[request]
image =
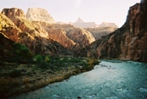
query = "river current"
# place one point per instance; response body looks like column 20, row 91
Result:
column 111, row 79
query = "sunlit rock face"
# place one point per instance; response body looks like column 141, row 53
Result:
column 39, row 14
column 67, row 35
column 8, row 28
column 19, row 29
column 43, row 37
column 80, row 36
column 129, row 42
column 59, row 35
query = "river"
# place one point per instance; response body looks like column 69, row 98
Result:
column 111, row 79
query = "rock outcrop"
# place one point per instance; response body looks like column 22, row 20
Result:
column 80, row 36
column 13, row 12
column 59, row 35
column 39, row 14
column 8, row 28
column 127, row 43
column 98, row 33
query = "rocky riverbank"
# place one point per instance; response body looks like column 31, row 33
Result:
column 16, row 77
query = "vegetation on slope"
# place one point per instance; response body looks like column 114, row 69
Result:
column 24, row 71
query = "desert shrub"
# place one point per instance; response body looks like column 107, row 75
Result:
column 46, row 59
column 93, row 61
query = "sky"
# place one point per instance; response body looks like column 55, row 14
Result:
column 97, row 11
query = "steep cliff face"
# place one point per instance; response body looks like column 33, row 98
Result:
column 30, row 34
column 60, row 36
column 80, row 36
column 6, row 47
column 39, row 14
column 8, row 28
column 129, row 42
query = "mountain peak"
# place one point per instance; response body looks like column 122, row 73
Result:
column 79, row 20
column 39, row 14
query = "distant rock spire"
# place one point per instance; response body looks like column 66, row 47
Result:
column 79, row 20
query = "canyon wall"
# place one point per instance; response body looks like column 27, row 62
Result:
column 128, row 42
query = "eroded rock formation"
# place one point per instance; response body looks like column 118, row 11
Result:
column 69, row 36
column 80, row 36
column 59, row 35
column 8, row 28
column 39, row 14
column 13, row 12
column 33, row 35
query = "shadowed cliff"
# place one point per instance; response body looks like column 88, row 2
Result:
column 128, row 42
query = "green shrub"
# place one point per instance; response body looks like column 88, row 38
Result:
column 22, row 50
column 37, row 58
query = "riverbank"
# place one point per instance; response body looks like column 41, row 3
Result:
column 111, row 79
column 16, row 78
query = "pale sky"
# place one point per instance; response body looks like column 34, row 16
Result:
column 69, row 10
